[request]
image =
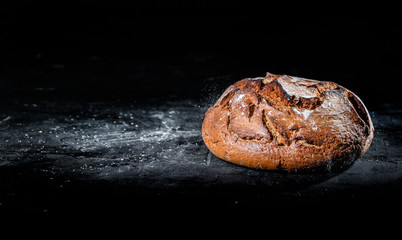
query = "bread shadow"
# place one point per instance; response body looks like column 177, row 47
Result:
column 274, row 181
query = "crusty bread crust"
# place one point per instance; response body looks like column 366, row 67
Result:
column 280, row 122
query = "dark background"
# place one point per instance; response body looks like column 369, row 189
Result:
column 156, row 49
column 149, row 52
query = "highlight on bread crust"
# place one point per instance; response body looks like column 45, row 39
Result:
column 281, row 122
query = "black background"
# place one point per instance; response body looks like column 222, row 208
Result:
column 151, row 51
column 157, row 49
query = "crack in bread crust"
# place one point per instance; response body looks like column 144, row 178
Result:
column 275, row 96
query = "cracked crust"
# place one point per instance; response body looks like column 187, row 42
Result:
column 281, row 122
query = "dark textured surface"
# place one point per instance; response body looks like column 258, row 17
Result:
column 59, row 157
column 100, row 113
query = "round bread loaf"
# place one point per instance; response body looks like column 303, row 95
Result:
column 280, row 122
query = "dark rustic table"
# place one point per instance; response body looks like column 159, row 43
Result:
column 69, row 156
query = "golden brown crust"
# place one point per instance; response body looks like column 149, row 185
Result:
column 287, row 123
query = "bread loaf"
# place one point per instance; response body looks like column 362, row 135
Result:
column 280, row 122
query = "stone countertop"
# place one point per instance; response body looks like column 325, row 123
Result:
column 59, row 157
